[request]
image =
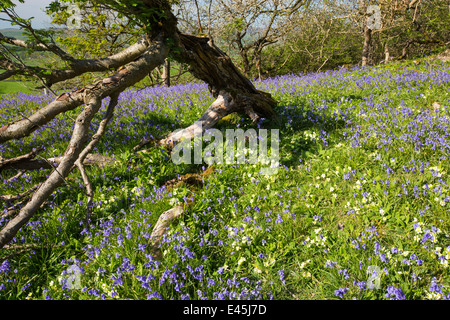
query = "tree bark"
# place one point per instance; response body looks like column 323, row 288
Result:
column 367, row 35
column 161, row 227
column 166, row 73
column 366, row 45
column 231, row 89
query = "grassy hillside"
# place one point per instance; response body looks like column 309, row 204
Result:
column 362, row 187
column 14, row 33
column 8, row 87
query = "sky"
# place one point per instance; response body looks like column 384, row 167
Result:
column 31, row 8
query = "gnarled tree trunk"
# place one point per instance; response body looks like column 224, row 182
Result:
column 232, row 90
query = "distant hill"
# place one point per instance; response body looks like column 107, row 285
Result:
column 15, row 33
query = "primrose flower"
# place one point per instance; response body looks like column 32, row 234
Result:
column 241, row 260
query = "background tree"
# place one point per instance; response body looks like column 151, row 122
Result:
column 243, row 29
column 320, row 38
column 416, row 27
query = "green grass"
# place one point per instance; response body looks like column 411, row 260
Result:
column 16, row 86
column 362, row 183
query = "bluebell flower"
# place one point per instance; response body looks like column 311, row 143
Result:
column 4, row 267
column 345, row 273
column 281, row 274
column 340, row 292
column 360, row 284
column 435, row 287
column 394, row 293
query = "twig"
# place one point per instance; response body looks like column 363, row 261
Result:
column 322, row 65
column 9, row 198
column 17, row 176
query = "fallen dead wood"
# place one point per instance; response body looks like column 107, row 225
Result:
column 21, row 248
column 166, row 218
column 194, row 179
column 7, row 163
column 38, row 164
column 161, row 227
column 91, row 96
column 144, row 142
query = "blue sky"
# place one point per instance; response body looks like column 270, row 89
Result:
column 31, row 8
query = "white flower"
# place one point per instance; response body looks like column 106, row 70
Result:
column 257, row 270
column 434, row 296
column 269, row 262
column 241, row 260
column 303, row 264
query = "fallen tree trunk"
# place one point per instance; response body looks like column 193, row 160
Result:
column 232, row 91
column 11, row 163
